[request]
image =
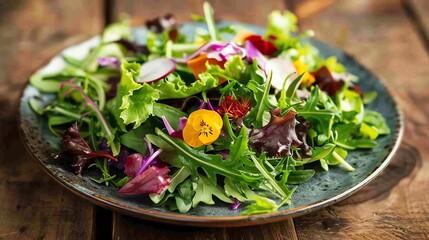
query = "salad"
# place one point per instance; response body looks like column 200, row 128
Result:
column 224, row 114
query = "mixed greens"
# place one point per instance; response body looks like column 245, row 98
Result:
column 184, row 118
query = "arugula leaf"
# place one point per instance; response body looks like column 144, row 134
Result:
column 239, row 147
column 261, row 205
column 300, row 176
column 277, row 187
column 205, row 190
column 171, row 113
column 212, row 164
column 287, row 94
column 263, row 104
column 238, row 190
column 184, row 196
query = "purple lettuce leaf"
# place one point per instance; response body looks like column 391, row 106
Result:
column 133, row 47
column 152, row 180
column 160, row 24
column 74, row 147
column 301, row 130
column 277, row 136
column 326, row 82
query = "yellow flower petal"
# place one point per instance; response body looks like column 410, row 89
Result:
column 307, row 79
column 202, row 128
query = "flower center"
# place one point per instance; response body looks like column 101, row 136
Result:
column 205, row 129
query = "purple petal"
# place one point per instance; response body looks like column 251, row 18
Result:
column 195, row 54
column 182, row 122
column 108, row 62
column 225, row 51
column 153, row 180
column 254, row 53
column 148, row 161
column 133, row 165
column 236, row 204
column 167, row 125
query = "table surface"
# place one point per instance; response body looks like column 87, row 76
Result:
column 390, row 37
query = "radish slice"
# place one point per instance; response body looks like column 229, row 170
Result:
column 155, row 70
column 280, row 68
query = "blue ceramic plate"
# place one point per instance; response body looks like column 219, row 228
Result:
column 324, row 189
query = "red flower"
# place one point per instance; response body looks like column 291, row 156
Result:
column 234, row 108
column 264, row 46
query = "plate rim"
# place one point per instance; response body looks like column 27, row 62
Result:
column 221, row 221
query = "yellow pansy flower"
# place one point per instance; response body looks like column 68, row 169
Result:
column 307, row 79
column 202, row 128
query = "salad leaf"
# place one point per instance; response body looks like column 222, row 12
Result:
column 277, row 137
column 134, row 101
column 73, row 146
column 152, row 180
column 234, row 69
column 212, row 164
column 281, row 25
column 205, row 190
column 173, row 86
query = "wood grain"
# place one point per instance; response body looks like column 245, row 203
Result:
column 32, row 206
column 395, row 205
column 254, row 12
column 130, row 228
column 419, row 15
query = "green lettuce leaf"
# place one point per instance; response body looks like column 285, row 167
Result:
column 134, row 101
column 173, row 86
column 234, row 70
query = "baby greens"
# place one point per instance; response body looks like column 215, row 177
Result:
column 243, row 122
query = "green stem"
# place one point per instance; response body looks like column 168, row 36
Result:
column 268, row 176
column 209, row 16
column 343, row 162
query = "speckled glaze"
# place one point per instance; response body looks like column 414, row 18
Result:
column 324, row 189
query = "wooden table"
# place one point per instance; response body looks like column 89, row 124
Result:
column 390, row 37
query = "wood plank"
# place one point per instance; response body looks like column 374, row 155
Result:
column 254, row 12
column 420, row 10
column 394, row 206
column 131, row 228
column 32, row 206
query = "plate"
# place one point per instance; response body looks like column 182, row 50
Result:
column 324, row 189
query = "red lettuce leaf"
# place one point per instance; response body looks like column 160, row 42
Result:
column 326, row 82
column 152, row 180
column 277, row 136
column 74, row 147
column 133, row 164
column 301, row 130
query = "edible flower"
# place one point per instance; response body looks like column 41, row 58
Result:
column 307, row 79
column 234, row 108
column 221, row 52
column 170, row 129
column 264, row 46
column 202, row 128
column 112, row 62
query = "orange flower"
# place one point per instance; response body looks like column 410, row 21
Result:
column 234, row 108
column 202, row 128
